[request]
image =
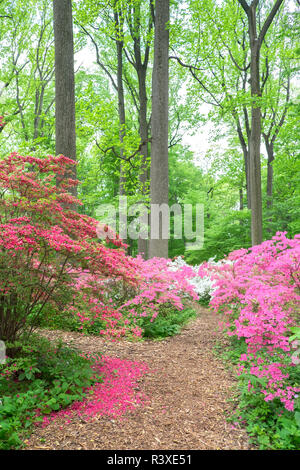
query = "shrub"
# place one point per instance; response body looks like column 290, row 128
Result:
column 45, row 245
column 51, row 259
column 257, row 295
column 168, row 322
column 41, row 378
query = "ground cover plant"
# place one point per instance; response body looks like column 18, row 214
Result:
column 42, row 377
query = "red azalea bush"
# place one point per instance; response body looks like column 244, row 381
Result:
column 45, row 245
column 257, row 292
column 51, row 256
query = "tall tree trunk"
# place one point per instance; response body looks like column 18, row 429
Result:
column 241, row 198
column 255, row 135
column 241, row 201
column 270, row 153
column 143, row 131
column 140, row 63
column 121, row 99
column 159, row 172
column 245, row 149
column 256, row 93
column 65, row 133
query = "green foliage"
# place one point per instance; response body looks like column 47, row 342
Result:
column 56, row 320
column 270, row 426
column 41, row 378
column 168, row 322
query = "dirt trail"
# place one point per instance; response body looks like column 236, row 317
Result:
column 188, row 393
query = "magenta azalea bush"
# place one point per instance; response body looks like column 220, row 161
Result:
column 119, row 305
column 258, row 296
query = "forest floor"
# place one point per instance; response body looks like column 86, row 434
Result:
column 189, row 392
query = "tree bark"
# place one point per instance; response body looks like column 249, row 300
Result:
column 241, row 199
column 143, row 247
column 255, row 135
column 121, row 99
column 256, row 93
column 64, row 83
column 140, row 63
column 245, row 149
column 159, row 171
column 270, row 153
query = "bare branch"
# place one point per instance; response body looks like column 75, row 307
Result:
column 101, row 65
column 268, row 21
column 245, row 5
column 192, row 71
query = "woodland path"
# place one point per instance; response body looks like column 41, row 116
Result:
column 188, row 397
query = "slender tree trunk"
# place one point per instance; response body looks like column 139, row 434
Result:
column 121, row 99
column 270, row 153
column 255, row 135
column 256, row 41
column 141, row 64
column 247, row 176
column 159, row 172
column 241, row 199
column 245, row 149
column 64, row 83
column 143, row 131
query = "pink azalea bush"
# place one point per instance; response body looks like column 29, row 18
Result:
column 120, row 305
column 258, row 296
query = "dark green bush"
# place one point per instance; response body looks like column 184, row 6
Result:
column 41, row 378
column 168, row 322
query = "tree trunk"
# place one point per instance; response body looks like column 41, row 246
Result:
column 64, row 83
column 255, row 135
column 121, row 100
column 159, row 172
column 245, row 149
column 141, row 66
column 143, row 131
column 256, row 93
column 270, row 153
column 241, row 199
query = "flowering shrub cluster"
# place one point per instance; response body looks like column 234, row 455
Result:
column 258, row 294
column 51, row 256
column 119, row 306
column 199, row 276
column 45, row 245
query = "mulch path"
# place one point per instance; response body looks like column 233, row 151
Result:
column 188, row 390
